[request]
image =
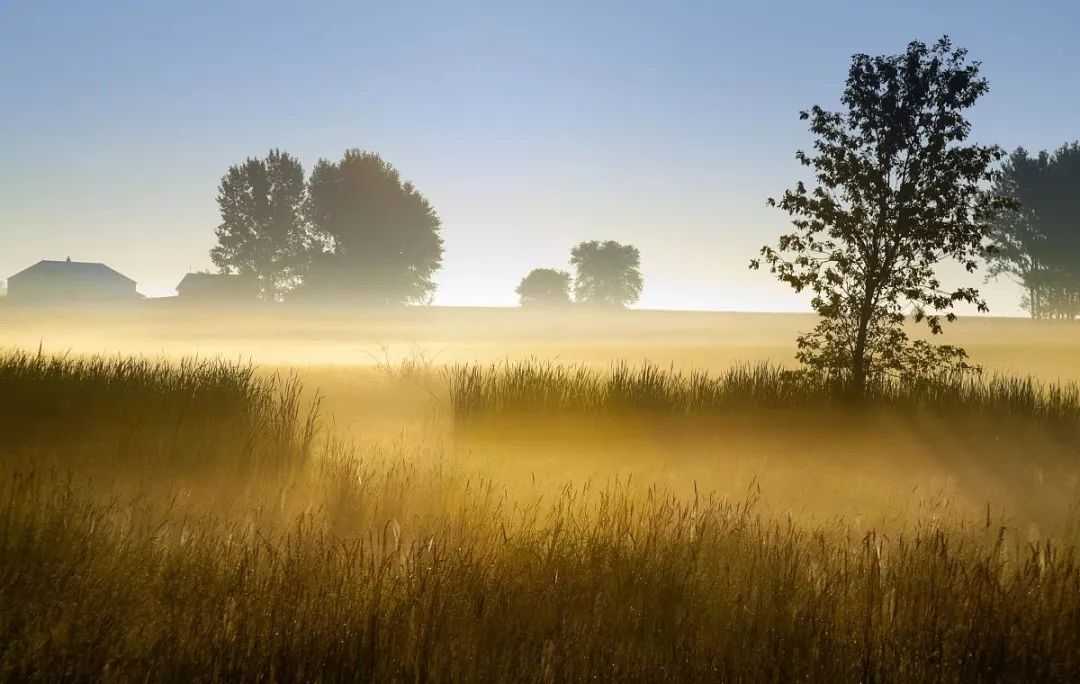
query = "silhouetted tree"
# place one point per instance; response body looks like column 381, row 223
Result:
column 263, row 233
column 607, row 273
column 379, row 236
column 1039, row 245
column 1020, row 243
column 897, row 192
column 544, row 287
column 1064, row 224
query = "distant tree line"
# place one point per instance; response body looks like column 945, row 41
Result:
column 607, row 274
column 1039, row 244
column 355, row 231
column 352, row 230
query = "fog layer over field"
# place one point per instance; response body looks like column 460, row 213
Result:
column 383, row 379
column 345, row 336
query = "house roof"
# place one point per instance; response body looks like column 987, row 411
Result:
column 207, row 278
column 89, row 269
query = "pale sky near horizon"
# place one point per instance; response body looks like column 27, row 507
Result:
column 530, row 127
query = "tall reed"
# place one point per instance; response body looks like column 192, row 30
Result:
column 138, row 412
column 545, row 388
column 391, row 566
column 440, row 579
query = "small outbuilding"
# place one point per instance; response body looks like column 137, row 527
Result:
column 217, row 287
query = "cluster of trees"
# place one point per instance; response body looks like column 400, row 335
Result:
column 1039, row 244
column 607, row 274
column 354, row 229
column 898, row 189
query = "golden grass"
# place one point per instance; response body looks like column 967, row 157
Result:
column 417, row 560
column 540, row 389
column 408, row 574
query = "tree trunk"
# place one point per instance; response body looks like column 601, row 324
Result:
column 858, row 361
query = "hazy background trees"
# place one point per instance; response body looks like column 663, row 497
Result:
column 263, row 233
column 1039, row 245
column 544, row 287
column 606, row 273
column 354, row 231
column 379, row 237
column 897, row 193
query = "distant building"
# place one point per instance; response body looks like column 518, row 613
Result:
column 217, row 287
column 55, row 282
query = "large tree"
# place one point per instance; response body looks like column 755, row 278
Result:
column 898, row 190
column 544, row 287
column 263, row 234
column 607, row 273
column 1039, row 245
column 1020, row 242
column 380, row 240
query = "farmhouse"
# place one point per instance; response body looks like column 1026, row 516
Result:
column 70, row 281
column 217, row 287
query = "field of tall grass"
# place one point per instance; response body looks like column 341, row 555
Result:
column 543, row 388
column 187, row 520
column 146, row 415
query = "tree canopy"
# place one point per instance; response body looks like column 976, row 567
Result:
column 897, row 192
column 379, row 238
column 607, row 273
column 263, row 233
column 1039, row 245
column 544, row 287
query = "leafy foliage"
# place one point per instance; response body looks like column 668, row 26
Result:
column 897, row 193
column 379, row 237
column 544, row 287
column 262, row 232
column 608, row 273
column 1039, row 245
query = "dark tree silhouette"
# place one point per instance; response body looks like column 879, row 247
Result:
column 379, row 236
column 544, row 287
column 897, row 192
column 1039, row 245
column 607, row 273
column 262, row 232
column 1020, row 242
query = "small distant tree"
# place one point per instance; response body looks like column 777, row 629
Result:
column 607, row 273
column 544, row 287
column 263, row 233
column 897, row 193
column 1039, row 245
column 379, row 237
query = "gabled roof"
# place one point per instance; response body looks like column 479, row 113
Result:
column 69, row 268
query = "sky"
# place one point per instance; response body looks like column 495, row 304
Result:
column 529, row 126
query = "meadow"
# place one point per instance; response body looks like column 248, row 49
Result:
column 496, row 496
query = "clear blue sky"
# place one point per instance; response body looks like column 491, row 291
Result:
column 530, row 127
